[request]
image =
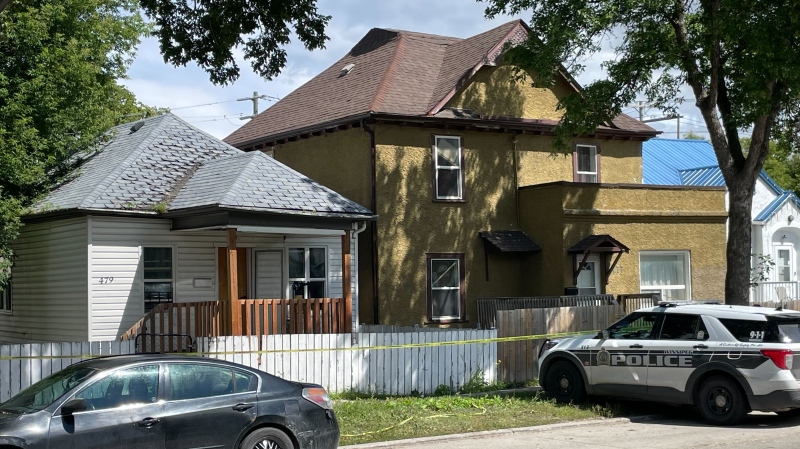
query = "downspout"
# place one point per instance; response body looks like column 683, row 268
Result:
column 359, row 230
column 373, row 205
column 516, row 177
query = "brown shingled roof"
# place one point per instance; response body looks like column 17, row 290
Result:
column 395, row 72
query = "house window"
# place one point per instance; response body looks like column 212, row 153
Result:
column 158, row 277
column 446, row 281
column 5, row 299
column 308, row 272
column 666, row 273
column 448, row 173
column 586, row 161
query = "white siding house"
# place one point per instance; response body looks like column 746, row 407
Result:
column 89, row 264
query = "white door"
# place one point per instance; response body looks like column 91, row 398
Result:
column 269, row 274
column 589, row 277
column 784, row 263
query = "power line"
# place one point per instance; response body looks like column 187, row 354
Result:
column 200, row 105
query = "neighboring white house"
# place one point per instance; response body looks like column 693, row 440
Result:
column 146, row 221
column 776, row 230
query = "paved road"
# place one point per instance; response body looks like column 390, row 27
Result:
column 760, row 431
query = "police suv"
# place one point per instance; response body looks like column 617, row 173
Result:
column 726, row 360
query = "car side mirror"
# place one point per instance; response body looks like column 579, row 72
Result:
column 74, row 405
column 604, row 334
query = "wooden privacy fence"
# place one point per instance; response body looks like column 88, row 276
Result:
column 519, row 360
column 488, row 307
column 259, row 317
column 377, row 363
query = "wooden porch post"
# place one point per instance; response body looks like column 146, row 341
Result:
column 347, row 287
column 233, row 326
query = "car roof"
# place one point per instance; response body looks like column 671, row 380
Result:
column 114, row 361
column 722, row 310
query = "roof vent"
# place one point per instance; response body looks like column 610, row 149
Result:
column 347, row 69
column 137, row 126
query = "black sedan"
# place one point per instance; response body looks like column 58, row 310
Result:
column 166, row 401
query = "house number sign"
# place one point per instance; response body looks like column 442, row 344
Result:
column 106, row 280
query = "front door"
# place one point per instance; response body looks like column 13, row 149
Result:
column 123, row 410
column 784, row 265
column 620, row 365
column 268, row 274
column 589, row 277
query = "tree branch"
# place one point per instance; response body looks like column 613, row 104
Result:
column 3, row 4
column 726, row 111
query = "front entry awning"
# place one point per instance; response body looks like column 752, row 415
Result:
column 506, row 242
column 596, row 244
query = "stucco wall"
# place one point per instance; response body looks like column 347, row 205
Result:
column 559, row 216
column 411, row 224
column 508, row 95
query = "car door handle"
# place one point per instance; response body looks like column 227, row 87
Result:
column 149, row 422
column 700, row 347
column 636, row 346
column 243, row 407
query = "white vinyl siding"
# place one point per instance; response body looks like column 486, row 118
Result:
column 50, row 284
column 116, row 252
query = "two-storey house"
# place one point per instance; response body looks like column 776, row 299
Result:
column 453, row 151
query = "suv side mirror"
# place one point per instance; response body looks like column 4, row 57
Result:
column 73, row 405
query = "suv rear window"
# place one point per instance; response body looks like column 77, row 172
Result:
column 774, row 330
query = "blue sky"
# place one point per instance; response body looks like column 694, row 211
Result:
column 214, row 109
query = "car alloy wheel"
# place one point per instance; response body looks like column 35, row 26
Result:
column 267, row 438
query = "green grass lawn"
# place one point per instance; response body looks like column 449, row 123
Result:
column 372, row 419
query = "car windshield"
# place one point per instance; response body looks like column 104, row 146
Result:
column 43, row 393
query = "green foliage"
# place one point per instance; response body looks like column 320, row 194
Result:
column 59, row 65
column 443, row 390
column 740, row 58
column 694, row 136
column 207, row 32
column 760, row 272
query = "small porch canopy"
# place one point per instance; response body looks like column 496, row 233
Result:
column 252, row 192
column 602, row 244
column 512, row 241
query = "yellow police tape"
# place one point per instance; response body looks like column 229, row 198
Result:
column 300, row 350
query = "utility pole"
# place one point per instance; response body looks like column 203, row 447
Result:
column 670, row 117
column 255, row 99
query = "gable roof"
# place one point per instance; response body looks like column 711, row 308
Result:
column 394, row 73
column 165, row 163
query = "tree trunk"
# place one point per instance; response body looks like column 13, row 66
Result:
column 737, row 278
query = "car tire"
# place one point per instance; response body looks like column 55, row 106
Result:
column 267, row 438
column 721, row 401
column 564, row 383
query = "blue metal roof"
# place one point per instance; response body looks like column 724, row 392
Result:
column 775, row 205
column 702, row 176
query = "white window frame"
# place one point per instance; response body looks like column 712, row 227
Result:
column 173, row 268
column 579, row 173
column 431, row 280
column 459, row 168
column 307, row 265
column 6, row 300
column 663, row 289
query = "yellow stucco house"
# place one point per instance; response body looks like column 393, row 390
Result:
column 454, row 153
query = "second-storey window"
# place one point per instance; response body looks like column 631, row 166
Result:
column 586, row 162
column 158, row 286
column 448, row 170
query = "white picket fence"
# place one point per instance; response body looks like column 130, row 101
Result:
column 379, row 363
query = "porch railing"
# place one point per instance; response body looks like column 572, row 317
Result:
column 258, row 317
column 774, row 291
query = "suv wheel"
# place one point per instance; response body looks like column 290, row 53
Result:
column 564, row 383
column 721, row 401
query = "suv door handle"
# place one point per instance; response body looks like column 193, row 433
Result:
column 637, row 346
column 149, row 422
column 243, row 407
column 700, row 347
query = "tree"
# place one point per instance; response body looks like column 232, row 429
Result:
column 208, row 32
column 59, row 65
column 692, row 135
column 740, row 58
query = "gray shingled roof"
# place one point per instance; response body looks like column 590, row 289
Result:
column 155, row 165
column 255, row 181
